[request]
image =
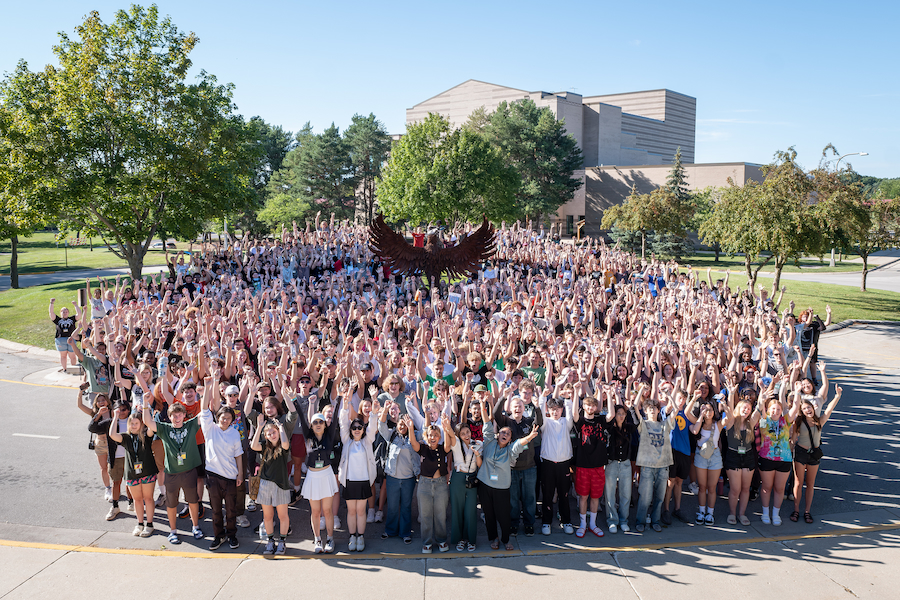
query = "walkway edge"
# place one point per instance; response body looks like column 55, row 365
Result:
column 33, row 351
column 450, row 555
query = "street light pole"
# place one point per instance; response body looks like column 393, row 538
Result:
column 836, row 169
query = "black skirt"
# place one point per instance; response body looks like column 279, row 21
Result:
column 357, row 490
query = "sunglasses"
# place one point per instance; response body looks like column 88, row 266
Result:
column 357, row 428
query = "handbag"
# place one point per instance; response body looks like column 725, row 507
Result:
column 253, row 490
column 815, row 452
column 472, row 476
column 707, row 448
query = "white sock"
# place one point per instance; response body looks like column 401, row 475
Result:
column 710, row 510
column 765, row 511
column 701, row 510
column 593, row 519
column 775, row 511
column 583, row 521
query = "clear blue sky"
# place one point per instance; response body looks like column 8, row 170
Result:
column 766, row 75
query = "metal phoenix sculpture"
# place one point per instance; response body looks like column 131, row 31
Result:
column 435, row 258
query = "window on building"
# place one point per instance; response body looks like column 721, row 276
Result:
column 570, row 224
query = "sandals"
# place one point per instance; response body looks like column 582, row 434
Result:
column 509, row 546
column 461, row 546
column 795, row 516
column 597, row 531
column 495, row 544
column 807, row 517
column 744, row 520
column 579, row 533
column 731, row 520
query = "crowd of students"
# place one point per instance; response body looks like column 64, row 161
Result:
column 268, row 372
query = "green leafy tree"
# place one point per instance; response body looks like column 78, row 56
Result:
column 324, row 171
column 137, row 148
column 777, row 216
column 435, row 173
column 369, row 145
column 275, row 143
column 27, row 133
column 538, row 147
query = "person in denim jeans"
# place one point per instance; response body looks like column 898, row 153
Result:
column 654, row 457
column 401, row 469
column 433, row 494
column 522, row 416
column 619, row 429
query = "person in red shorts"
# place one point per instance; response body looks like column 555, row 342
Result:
column 590, row 463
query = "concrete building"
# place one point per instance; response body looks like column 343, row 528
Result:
column 640, row 129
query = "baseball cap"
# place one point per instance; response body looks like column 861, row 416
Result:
column 232, row 389
column 317, row 417
column 481, row 388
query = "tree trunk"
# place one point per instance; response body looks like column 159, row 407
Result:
column 750, row 275
column 135, row 263
column 717, row 248
column 14, row 263
column 643, row 245
column 779, row 265
column 865, row 271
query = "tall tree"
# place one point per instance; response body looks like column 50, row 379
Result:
column 533, row 142
column 436, row 173
column 138, row 148
column 369, row 145
column 325, row 172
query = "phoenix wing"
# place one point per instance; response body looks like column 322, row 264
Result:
column 465, row 257
column 393, row 249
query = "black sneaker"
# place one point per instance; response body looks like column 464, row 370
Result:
column 183, row 512
column 217, row 541
column 280, row 548
column 529, row 530
column 294, row 497
column 679, row 515
column 514, row 531
column 384, row 536
column 666, row 518
column 233, row 542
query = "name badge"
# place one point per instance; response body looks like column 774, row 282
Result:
column 494, row 477
column 181, row 458
column 320, row 464
column 138, row 467
column 742, row 450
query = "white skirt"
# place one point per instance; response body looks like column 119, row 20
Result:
column 319, row 484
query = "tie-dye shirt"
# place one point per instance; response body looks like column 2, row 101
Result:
column 775, row 439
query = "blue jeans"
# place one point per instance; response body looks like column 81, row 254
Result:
column 652, row 488
column 618, row 472
column 398, row 521
column 522, row 496
column 433, row 498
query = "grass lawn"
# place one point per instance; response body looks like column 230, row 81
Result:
column 24, row 318
column 39, row 254
column 736, row 263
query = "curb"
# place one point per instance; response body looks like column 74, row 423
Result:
column 32, row 351
column 851, row 322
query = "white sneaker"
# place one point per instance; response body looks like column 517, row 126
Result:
column 242, row 521
column 351, row 547
column 613, row 528
column 379, row 516
column 337, row 522
column 545, row 529
column 694, row 488
column 138, row 530
column 568, row 529
column 318, row 546
column 161, row 501
column 251, row 506
column 329, row 545
column 146, row 531
column 370, row 516
column 113, row 511
column 107, row 495
column 776, row 519
column 625, row 528
column 360, row 543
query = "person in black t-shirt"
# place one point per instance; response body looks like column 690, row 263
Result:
column 590, row 463
column 65, row 325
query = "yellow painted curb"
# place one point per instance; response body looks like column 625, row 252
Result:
column 449, row 555
column 62, row 387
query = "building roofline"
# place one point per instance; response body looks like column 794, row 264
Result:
column 465, row 82
column 640, row 92
column 669, row 166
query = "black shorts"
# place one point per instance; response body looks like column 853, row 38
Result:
column 681, row 467
column 357, row 490
column 736, row 462
column 803, row 457
column 201, row 470
column 774, row 465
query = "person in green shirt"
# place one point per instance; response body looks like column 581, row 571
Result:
column 182, row 459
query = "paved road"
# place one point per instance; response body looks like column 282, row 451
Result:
column 63, row 276
column 884, row 278
column 50, row 494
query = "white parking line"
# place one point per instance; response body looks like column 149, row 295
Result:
column 32, row 435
